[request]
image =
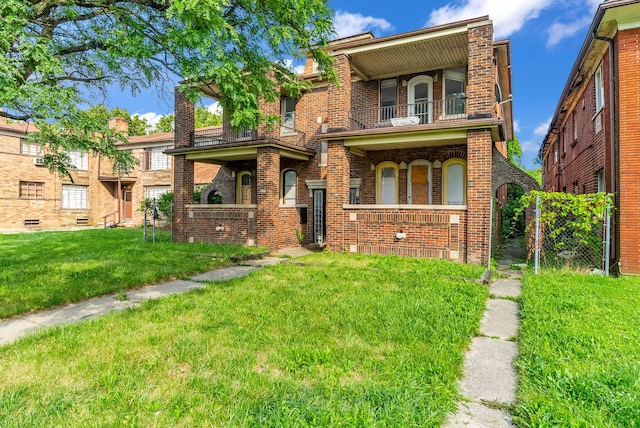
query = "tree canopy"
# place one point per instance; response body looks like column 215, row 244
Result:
column 203, row 117
column 55, row 52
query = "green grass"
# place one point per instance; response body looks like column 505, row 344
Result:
column 45, row 269
column 332, row 340
column 579, row 362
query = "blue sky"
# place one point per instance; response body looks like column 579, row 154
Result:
column 545, row 35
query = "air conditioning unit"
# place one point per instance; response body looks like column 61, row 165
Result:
column 38, row 161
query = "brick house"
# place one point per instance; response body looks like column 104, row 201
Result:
column 31, row 197
column 596, row 125
column 396, row 159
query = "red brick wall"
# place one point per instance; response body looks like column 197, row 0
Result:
column 339, row 96
column 629, row 149
column 268, row 185
column 481, row 75
column 183, row 176
column 221, row 224
column 436, row 233
column 479, row 194
column 337, row 194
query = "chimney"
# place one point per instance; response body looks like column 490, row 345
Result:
column 120, row 124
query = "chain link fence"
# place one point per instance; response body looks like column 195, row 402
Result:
column 570, row 231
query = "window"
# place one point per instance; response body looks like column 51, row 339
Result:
column 454, row 92
column 599, row 84
column 353, row 196
column 79, row 160
column 388, row 98
column 75, row 197
column 156, row 159
column 454, row 178
column 601, row 182
column 324, row 153
column 243, row 188
column 30, row 149
column 387, row 183
column 563, row 141
column 420, row 97
column 154, row 192
column 289, row 114
column 31, row 190
column 289, row 187
column 575, row 127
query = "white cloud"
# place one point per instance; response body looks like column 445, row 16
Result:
column 516, row 126
column 508, row 17
column 151, row 117
column 559, row 31
column 215, row 107
column 530, row 146
column 541, row 130
column 348, row 24
column 298, row 69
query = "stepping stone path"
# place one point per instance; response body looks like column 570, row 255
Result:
column 489, row 378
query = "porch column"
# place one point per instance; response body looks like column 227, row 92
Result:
column 339, row 96
column 481, row 83
column 183, row 169
column 479, row 193
column 268, row 192
column 337, row 194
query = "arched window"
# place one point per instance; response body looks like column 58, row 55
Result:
column 419, row 181
column 243, row 188
column 454, row 182
column 387, row 183
column 421, row 98
column 289, row 187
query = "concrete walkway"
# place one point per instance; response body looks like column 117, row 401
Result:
column 489, row 378
column 15, row 328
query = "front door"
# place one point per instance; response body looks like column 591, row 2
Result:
column 127, row 204
column 319, row 218
column 419, row 193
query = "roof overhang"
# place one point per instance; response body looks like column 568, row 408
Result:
column 447, row 47
column 417, row 136
column 221, row 153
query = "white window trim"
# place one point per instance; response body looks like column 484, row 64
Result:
column 284, row 129
column 445, row 179
column 411, row 86
column 74, row 197
column 459, row 75
column 156, row 192
column 379, row 169
column 79, row 159
column 599, row 88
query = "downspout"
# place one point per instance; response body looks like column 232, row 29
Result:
column 613, row 74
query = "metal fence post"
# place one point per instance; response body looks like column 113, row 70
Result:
column 607, row 237
column 490, row 234
column 536, row 257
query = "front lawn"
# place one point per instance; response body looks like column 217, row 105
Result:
column 45, row 269
column 579, row 361
column 326, row 340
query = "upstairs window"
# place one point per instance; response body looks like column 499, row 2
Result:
column 79, row 160
column 30, row 149
column 289, row 114
column 156, row 159
column 454, row 92
column 599, row 84
column 388, row 98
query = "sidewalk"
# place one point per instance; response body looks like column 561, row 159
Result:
column 15, row 328
column 489, row 378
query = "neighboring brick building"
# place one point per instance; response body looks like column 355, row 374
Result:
column 31, row 197
column 595, row 131
column 396, row 159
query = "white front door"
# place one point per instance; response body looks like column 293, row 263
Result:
column 421, row 98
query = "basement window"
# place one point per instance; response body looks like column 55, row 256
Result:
column 32, row 222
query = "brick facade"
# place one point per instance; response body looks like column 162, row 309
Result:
column 585, row 145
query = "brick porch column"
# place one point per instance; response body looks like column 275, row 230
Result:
column 268, row 197
column 337, row 194
column 183, row 169
column 339, row 96
column 481, row 77
column 479, row 193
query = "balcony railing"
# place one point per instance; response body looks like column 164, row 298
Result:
column 227, row 135
column 409, row 114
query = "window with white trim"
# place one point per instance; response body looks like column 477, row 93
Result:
column 157, row 160
column 289, row 187
column 599, row 84
column 324, row 153
column 289, row 114
column 154, row 192
column 601, row 182
column 75, row 197
column 79, row 160
column 31, row 190
column 30, row 149
column 388, row 98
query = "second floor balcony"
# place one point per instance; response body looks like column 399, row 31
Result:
column 226, row 136
column 419, row 113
